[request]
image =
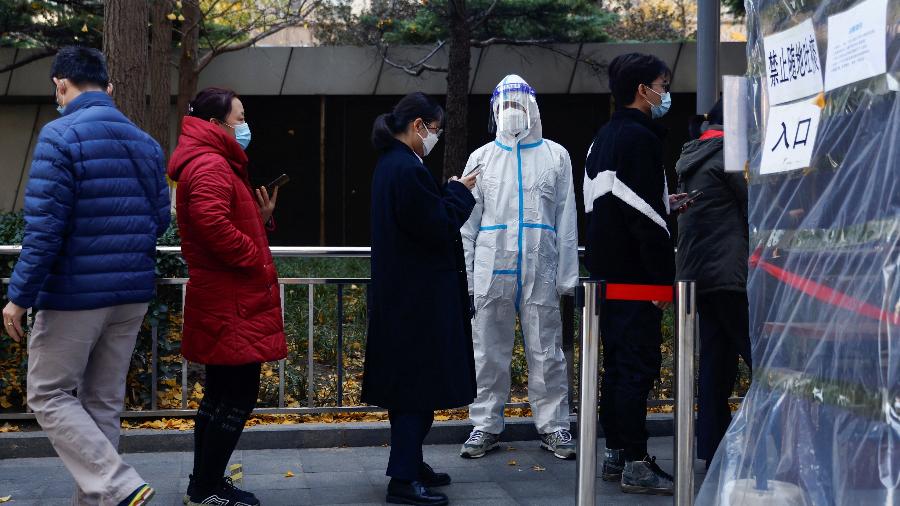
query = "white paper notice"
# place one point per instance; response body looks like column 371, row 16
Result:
column 793, row 67
column 856, row 44
column 790, row 137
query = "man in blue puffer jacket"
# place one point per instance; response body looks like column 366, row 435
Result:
column 95, row 204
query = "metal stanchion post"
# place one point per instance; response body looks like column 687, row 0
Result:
column 587, row 401
column 686, row 338
column 567, row 309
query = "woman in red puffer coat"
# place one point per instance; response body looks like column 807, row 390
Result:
column 232, row 315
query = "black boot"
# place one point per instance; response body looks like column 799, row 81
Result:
column 413, row 492
column 430, row 479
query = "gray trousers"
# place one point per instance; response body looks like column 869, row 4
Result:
column 87, row 352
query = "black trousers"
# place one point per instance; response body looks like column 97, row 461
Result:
column 631, row 335
column 408, row 431
column 724, row 336
column 229, row 397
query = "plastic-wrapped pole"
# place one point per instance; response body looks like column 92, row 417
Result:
column 587, row 400
column 707, row 54
column 684, row 392
column 736, row 111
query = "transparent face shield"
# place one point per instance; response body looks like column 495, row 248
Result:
column 513, row 107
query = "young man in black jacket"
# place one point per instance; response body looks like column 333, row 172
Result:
column 628, row 241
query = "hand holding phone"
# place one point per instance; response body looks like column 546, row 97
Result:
column 683, row 201
column 470, row 179
column 279, row 181
column 476, row 170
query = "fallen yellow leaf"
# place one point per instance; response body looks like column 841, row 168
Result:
column 288, row 474
column 6, row 498
column 512, row 463
column 6, row 427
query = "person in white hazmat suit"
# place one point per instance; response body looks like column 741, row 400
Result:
column 521, row 250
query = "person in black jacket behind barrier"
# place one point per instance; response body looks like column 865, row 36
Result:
column 713, row 250
column 628, row 241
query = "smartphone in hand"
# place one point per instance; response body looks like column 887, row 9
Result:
column 685, row 201
column 279, row 181
column 476, row 171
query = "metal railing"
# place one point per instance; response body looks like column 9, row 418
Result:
column 569, row 340
column 282, row 408
column 592, row 298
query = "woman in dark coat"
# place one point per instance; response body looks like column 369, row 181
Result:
column 713, row 249
column 419, row 355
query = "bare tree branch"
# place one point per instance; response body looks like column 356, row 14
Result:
column 212, row 6
column 477, row 21
column 222, row 49
column 258, row 23
column 597, row 67
column 494, row 41
column 30, row 59
column 416, row 69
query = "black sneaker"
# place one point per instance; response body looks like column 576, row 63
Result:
column 613, row 464
column 227, row 483
column 645, row 477
column 226, row 495
column 247, row 497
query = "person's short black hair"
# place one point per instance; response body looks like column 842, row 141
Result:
column 212, row 103
column 628, row 71
column 80, row 65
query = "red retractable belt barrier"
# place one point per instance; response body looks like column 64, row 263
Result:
column 650, row 293
column 822, row 292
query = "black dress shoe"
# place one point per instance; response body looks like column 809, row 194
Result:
column 413, row 492
column 429, row 478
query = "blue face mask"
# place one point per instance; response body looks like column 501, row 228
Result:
column 658, row 111
column 242, row 134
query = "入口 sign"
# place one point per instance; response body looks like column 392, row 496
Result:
column 790, row 137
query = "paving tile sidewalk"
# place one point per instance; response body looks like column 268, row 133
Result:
column 519, row 473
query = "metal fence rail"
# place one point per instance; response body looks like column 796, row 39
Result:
column 282, row 408
column 569, row 341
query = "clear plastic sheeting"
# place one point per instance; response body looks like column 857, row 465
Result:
column 820, row 424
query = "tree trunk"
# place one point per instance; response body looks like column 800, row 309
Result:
column 125, row 46
column 160, row 85
column 188, row 74
column 456, row 147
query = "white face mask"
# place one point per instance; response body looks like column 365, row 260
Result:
column 428, row 142
column 513, row 121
